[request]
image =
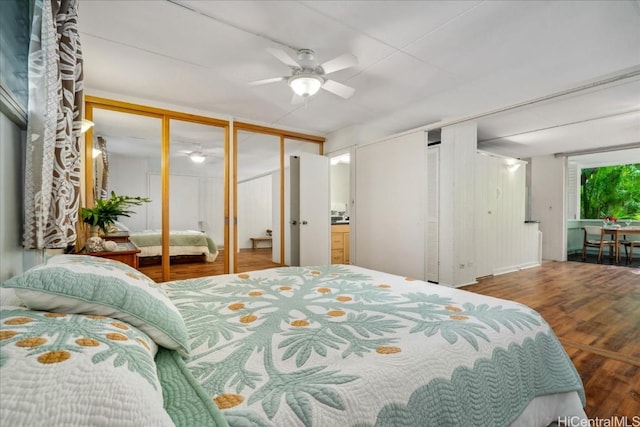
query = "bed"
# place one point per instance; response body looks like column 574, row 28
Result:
column 299, row 346
column 184, row 243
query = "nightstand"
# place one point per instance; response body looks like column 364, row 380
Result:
column 118, row 236
column 126, row 252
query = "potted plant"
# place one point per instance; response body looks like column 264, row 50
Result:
column 107, row 211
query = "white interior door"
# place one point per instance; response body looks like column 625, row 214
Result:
column 390, row 205
column 310, row 210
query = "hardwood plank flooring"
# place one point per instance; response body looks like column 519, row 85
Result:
column 594, row 310
column 249, row 260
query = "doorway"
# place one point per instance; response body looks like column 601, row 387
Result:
column 341, row 207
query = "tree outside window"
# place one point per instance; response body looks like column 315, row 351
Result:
column 610, row 191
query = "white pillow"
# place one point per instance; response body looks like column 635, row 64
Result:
column 93, row 285
column 8, row 297
column 70, row 369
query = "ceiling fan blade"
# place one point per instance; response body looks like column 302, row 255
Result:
column 283, row 56
column 339, row 63
column 297, row 99
column 339, row 89
column 265, row 81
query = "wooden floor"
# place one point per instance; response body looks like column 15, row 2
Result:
column 594, row 310
column 593, row 259
column 248, row 260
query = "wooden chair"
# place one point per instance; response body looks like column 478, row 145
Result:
column 629, row 243
column 594, row 237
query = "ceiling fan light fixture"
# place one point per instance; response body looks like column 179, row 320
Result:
column 305, row 84
column 197, row 157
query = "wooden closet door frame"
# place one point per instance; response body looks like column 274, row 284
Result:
column 283, row 134
column 92, row 102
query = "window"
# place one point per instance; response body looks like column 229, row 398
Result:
column 14, row 39
column 610, row 191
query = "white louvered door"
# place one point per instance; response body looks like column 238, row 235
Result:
column 433, row 214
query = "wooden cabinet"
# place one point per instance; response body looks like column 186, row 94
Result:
column 126, row 253
column 340, row 244
column 118, row 236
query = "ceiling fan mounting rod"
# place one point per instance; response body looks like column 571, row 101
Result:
column 306, row 55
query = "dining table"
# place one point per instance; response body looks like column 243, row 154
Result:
column 615, row 231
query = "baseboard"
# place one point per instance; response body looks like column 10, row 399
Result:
column 504, row 270
column 529, row 265
column 464, row 284
column 513, row 268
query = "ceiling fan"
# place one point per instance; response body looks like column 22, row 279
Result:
column 198, row 154
column 308, row 76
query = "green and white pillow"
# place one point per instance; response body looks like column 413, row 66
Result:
column 62, row 369
column 99, row 286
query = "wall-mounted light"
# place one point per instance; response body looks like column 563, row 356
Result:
column 513, row 164
column 86, row 125
column 345, row 159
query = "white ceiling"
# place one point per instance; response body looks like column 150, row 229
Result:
column 420, row 63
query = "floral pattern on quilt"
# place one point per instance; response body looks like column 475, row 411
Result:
column 275, row 338
column 52, row 338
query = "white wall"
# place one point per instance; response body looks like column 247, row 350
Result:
column 11, row 252
column 254, row 209
column 471, row 243
column 128, row 176
column 390, row 205
column 133, row 176
column 548, row 204
column 503, row 241
column 211, row 209
column 352, row 136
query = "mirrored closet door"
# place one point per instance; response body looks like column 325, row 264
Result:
column 179, row 162
column 126, row 152
column 258, row 208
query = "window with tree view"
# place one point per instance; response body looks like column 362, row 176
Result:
column 610, row 191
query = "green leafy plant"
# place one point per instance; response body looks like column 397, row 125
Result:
column 107, row 211
column 610, row 191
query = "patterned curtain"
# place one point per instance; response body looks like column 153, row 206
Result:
column 52, row 173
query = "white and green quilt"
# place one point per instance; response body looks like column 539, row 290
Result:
column 347, row 346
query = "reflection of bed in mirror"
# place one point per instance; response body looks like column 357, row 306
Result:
column 184, row 246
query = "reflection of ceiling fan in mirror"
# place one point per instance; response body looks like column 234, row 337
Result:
column 198, row 155
column 308, row 76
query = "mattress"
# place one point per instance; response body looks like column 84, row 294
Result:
column 348, row 346
column 186, row 242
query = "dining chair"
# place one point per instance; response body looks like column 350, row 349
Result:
column 629, row 242
column 594, row 237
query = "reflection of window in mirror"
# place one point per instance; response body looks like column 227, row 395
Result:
column 340, row 186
